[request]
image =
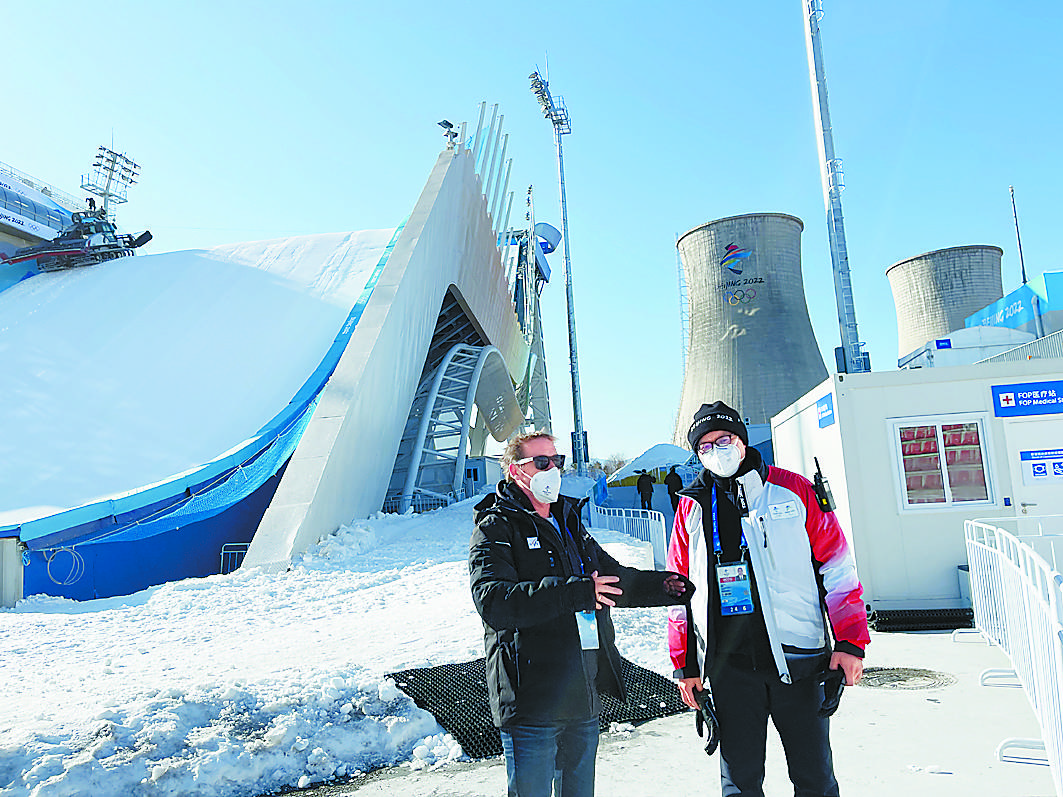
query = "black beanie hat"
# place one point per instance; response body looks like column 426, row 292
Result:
column 716, row 416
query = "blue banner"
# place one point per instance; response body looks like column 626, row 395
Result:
column 1014, row 310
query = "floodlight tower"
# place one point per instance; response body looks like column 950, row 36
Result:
column 557, row 113
column 850, row 358
column 111, row 177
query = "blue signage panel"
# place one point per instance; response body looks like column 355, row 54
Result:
column 943, row 343
column 825, row 410
column 1028, row 398
column 1042, row 467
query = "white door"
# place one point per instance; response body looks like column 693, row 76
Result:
column 1035, row 462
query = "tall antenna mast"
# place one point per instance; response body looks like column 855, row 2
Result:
column 557, row 113
column 111, row 177
column 853, row 360
column 1015, row 214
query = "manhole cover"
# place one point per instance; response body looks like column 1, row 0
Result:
column 905, row 678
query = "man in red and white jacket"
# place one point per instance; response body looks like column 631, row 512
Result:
column 765, row 559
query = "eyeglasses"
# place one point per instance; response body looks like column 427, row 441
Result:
column 719, row 442
column 542, row 461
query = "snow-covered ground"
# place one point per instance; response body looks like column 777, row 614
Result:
column 130, row 372
column 253, row 682
column 246, row 683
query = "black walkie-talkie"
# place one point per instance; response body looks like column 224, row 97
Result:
column 823, row 496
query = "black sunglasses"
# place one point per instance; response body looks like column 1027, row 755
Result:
column 542, row 461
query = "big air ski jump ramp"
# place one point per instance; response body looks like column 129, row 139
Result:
column 157, row 408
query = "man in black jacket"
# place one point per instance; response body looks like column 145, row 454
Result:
column 644, row 485
column 543, row 587
column 674, row 482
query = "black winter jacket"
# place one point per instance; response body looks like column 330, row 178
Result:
column 527, row 588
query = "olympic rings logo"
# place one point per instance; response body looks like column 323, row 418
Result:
column 740, row 296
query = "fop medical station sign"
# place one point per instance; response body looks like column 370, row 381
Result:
column 1028, row 398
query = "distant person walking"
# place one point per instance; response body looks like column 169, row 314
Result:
column 769, row 566
column 544, row 587
column 644, row 484
column 674, row 482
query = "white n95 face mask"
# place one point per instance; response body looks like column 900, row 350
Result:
column 546, row 485
column 722, row 462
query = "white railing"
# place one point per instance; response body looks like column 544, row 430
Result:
column 642, row 524
column 1018, row 605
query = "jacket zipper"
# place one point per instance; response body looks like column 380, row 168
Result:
column 767, row 545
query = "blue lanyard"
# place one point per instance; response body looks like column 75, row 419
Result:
column 716, row 547
column 575, row 547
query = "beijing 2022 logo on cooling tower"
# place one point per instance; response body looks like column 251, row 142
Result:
column 738, row 291
column 734, row 257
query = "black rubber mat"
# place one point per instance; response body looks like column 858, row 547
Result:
column 921, row 619
column 456, row 695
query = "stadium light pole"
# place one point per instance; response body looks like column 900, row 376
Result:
column 557, row 113
column 112, row 175
column 849, row 357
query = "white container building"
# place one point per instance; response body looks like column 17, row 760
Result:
column 911, row 454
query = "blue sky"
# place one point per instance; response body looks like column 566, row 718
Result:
column 267, row 119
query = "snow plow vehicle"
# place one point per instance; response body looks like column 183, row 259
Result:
column 89, row 239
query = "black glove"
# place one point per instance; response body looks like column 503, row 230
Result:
column 832, row 682
column 706, row 717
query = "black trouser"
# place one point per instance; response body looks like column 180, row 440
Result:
column 647, row 499
column 744, row 701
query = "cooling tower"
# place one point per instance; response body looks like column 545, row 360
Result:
column 935, row 292
column 751, row 341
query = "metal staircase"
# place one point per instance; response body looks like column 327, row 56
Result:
column 430, row 466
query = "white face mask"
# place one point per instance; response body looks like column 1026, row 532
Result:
column 545, row 485
column 722, row 462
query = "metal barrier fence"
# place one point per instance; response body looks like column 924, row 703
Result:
column 232, row 556
column 1018, row 605
column 642, row 524
column 420, row 502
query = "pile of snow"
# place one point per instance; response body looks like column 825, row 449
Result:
column 135, row 370
column 662, row 455
column 255, row 681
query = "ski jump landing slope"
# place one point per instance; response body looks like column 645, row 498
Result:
column 133, row 372
column 153, row 385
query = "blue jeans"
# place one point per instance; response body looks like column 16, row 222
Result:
column 538, row 756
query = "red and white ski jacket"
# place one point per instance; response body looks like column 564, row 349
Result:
column 790, row 540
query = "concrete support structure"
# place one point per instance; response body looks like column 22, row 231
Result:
column 751, row 342
column 448, row 244
column 934, row 292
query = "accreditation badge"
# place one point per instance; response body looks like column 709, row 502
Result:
column 736, row 592
column 587, row 622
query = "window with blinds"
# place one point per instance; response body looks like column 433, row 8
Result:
column 942, row 463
